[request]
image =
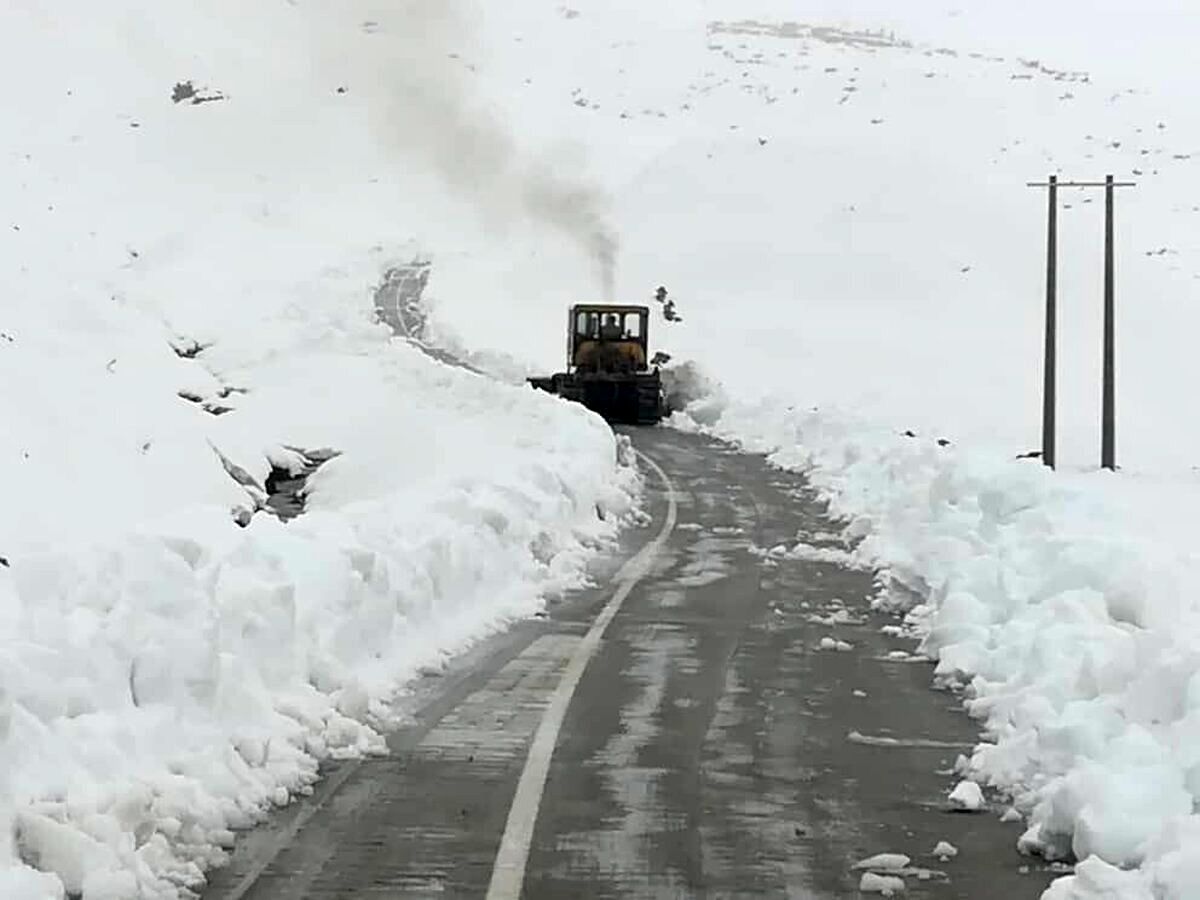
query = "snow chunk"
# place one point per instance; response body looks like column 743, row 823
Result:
column 1095, row 879
column 967, row 796
column 831, row 643
column 887, row 885
column 78, row 859
column 836, row 617
column 808, row 553
column 945, row 851
column 884, row 862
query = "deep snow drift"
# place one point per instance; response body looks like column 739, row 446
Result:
column 168, row 683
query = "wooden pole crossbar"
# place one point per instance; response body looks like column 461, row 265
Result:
column 1108, row 412
column 1080, row 183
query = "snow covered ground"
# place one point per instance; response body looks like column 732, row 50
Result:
column 836, row 198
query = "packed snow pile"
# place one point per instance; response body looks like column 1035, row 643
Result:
column 194, row 230
column 169, row 683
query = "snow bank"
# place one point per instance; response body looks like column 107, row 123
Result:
column 1071, row 627
column 164, row 686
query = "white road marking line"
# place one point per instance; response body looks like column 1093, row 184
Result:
column 508, row 874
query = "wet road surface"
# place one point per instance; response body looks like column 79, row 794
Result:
column 709, row 750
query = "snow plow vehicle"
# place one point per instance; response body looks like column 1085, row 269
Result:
column 607, row 367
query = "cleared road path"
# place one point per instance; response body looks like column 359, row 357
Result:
column 708, row 748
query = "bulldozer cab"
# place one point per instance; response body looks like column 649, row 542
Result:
column 606, row 365
column 605, row 338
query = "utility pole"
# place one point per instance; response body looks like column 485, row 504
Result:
column 1108, row 415
column 1049, row 366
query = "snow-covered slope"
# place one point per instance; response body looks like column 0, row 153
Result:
column 188, row 284
column 845, row 195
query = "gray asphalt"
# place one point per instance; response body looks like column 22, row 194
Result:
column 710, row 751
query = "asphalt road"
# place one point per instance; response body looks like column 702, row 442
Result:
column 709, row 749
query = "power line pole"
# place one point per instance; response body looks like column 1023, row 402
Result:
column 1049, row 384
column 1108, row 415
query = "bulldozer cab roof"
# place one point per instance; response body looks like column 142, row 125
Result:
column 606, row 308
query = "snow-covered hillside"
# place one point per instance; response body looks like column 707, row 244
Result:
column 845, row 194
column 199, row 202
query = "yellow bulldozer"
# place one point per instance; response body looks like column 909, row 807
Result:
column 607, row 368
